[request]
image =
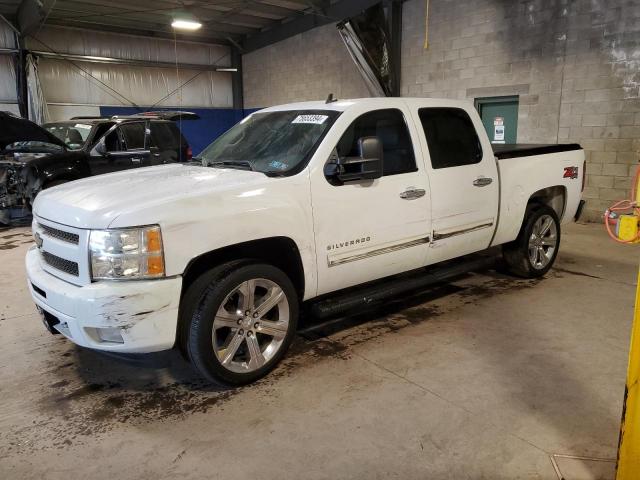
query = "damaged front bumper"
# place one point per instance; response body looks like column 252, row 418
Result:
column 137, row 316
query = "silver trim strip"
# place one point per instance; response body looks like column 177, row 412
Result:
column 440, row 236
column 378, row 251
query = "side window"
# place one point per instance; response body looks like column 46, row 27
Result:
column 98, row 132
column 113, row 141
column 133, row 134
column 163, row 136
column 451, row 137
column 390, row 127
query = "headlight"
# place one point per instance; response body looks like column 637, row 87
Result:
column 127, row 253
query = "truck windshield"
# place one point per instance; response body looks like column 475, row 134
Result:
column 272, row 142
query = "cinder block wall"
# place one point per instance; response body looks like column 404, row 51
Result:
column 308, row 66
column 575, row 65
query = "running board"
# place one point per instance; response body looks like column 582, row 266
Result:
column 394, row 286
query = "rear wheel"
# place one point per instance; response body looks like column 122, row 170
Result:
column 243, row 323
column 533, row 253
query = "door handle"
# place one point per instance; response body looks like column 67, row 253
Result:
column 482, row 181
column 412, row 193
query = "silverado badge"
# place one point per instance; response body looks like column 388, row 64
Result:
column 357, row 241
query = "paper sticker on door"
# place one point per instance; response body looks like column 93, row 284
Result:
column 498, row 134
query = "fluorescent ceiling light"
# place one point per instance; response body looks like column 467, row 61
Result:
column 182, row 24
column 226, row 69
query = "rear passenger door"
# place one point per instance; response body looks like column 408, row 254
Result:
column 369, row 229
column 136, row 144
column 464, row 182
column 165, row 143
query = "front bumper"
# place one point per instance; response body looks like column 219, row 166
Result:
column 141, row 314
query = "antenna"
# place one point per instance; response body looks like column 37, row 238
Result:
column 330, row 99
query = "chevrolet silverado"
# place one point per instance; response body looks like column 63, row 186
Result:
column 295, row 203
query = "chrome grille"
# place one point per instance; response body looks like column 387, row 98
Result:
column 60, row 234
column 59, row 263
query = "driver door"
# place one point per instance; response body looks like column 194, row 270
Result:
column 125, row 148
column 370, row 229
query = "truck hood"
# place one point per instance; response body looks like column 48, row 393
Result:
column 15, row 129
column 95, row 202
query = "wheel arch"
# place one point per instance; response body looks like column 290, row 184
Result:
column 281, row 252
column 555, row 197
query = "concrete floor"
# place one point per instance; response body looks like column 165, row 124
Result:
column 485, row 379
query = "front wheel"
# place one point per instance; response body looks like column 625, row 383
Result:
column 532, row 254
column 243, row 323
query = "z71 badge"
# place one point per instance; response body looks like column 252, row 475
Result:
column 570, row 172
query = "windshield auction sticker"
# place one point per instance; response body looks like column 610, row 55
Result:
column 315, row 119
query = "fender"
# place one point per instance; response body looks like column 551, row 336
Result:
column 64, row 166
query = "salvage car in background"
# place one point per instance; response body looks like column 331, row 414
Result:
column 33, row 158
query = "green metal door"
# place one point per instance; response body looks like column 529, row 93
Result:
column 500, row 118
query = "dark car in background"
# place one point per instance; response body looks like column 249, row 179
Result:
column 33, row 158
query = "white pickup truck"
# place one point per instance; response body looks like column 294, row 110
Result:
column 293, row 203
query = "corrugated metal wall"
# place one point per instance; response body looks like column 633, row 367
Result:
column 66, row 85
column 8, row 92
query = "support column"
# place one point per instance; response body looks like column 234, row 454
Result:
column 236, row 82
column 395, row 31
column 20, row 64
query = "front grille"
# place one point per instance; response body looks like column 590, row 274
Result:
column 66, row 266
column 60, row 234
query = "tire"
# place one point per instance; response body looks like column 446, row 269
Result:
column 534, row 251
column 232, row 338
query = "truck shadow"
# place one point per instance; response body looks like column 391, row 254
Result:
column 93, row 391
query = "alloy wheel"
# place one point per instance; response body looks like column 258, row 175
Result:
column 543, row 241
column 250, row 325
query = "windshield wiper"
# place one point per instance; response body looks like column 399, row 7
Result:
column 232, row 163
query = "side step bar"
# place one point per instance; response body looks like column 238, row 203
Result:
column 397, row 285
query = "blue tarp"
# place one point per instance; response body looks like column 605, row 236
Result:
column 199, row 133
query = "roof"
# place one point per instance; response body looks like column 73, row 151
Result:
column 224, row 22
column 378, row 102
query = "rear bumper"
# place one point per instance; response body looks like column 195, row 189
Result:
column 143, row 314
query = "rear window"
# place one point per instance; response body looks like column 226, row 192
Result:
column 451, row 137
column 165, row 135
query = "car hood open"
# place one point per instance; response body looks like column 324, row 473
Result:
column 16, row 129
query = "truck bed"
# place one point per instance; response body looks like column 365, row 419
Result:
column 516, row 150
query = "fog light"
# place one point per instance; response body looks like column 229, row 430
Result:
column 111, row 335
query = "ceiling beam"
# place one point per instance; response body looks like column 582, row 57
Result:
column 147, row 21
column 126, row 61
column 273, row 11
column 141, row 31
column 334, row 13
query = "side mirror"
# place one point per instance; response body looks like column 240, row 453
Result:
column 367, row 166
